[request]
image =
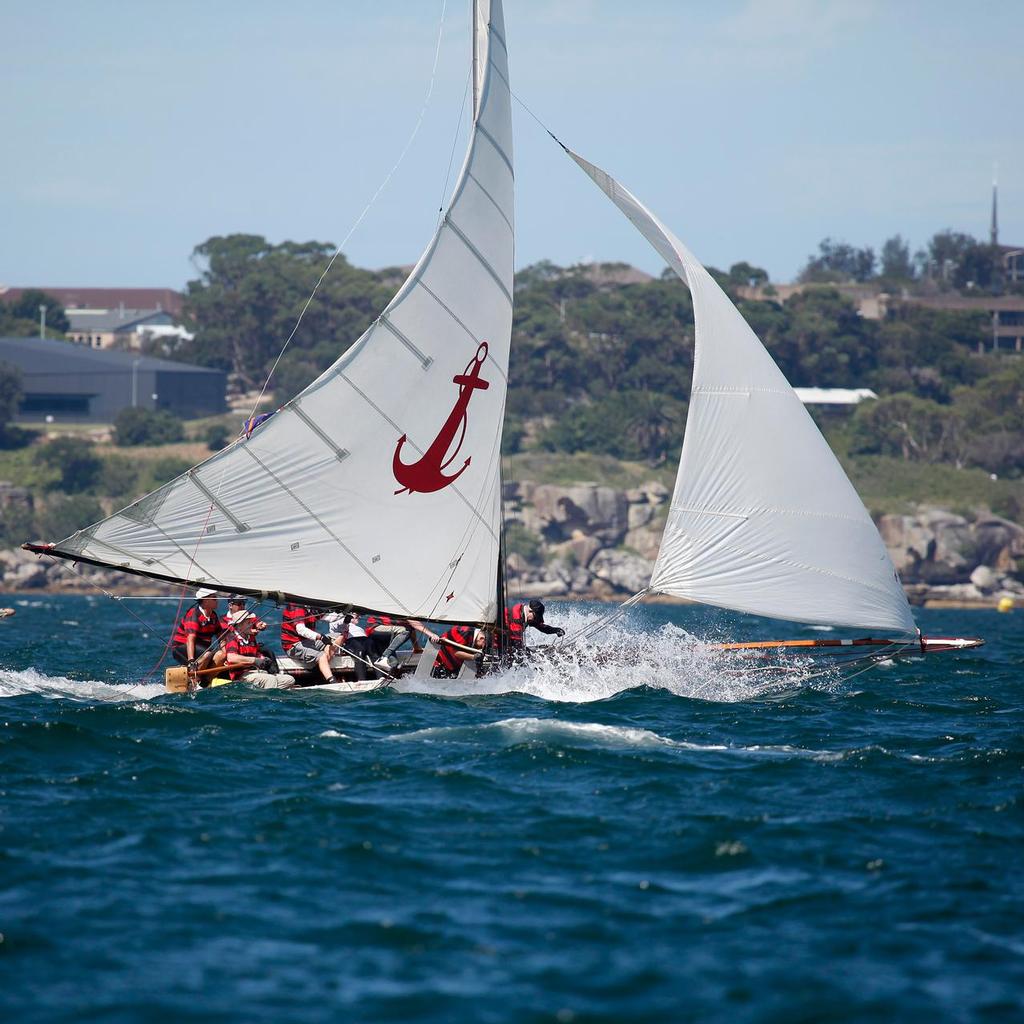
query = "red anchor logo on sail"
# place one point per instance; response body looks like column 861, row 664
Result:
column 426, row 475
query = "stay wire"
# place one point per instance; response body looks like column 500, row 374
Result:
column 65, row 567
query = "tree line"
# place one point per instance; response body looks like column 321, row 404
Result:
column 604, row 366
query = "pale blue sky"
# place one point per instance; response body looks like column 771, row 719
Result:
column 135, row 130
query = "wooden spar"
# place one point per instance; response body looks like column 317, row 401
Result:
column 922, row 645
column 756, row 645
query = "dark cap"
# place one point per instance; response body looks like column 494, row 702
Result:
column 236, row 599
column 537, row 607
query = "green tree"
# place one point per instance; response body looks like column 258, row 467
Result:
column 76, row 461
column 979, row 267
column 896, row 262
column 63, row 517
column 928, row 351
column 820, row 340
column 135, row 426
column 10, row 392
column 946, row 251
column 907, row 427
column 217, row 437
column 20, row 317
column 632, row 425
column 744, row 273
column 247, row 299
column 838, row 261
column 119, row 477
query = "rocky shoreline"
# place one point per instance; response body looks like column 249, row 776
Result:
column 590, row 542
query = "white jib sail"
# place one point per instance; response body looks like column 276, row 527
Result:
column 378, row 485
column 763, row 518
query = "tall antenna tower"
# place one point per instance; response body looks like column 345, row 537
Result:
column 994, row 229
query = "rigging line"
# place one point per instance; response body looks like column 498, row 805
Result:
column 516, row 97
column 181, row 599
column 451, row 156
column 366, row 209
column 65, row 567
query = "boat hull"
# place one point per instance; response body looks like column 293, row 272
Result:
column 176, row 677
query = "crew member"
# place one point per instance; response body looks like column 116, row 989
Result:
column 244, row 661
column 387, row 635
column 347, row 634
column 301, row 641
column 450, row 659
column 198, row 628
column 517, row 618
column 236, row 603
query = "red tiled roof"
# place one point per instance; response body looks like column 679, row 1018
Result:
column 105, row 298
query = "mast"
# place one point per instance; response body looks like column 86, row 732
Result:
column 476, row 58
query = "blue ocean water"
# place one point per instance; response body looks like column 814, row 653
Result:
column 676, row 842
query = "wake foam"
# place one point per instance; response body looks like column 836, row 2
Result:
column 623, row 657
column 32, row 681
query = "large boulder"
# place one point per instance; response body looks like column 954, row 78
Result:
column 640, row 515
column 985, row 579
column 935, row 547
column 998, row 543
column 645, row 541
column 596, row 511
column 578, row 551
column 622, row 569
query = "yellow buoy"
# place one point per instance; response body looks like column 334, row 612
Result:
column 1005, row 604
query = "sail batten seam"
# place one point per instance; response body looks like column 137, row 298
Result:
column 460, row 234
column 494, row 202
column 425, row 360
column 339, row 453
column 239, row 526
column 491, row 361
column 481, row 130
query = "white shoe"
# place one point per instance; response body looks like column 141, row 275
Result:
column 385, row 665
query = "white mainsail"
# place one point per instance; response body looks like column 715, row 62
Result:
column 379, row 484
column 763, row 518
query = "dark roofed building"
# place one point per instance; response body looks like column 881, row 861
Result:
column 72, row 383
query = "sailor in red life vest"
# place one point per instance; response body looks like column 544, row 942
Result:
column 450, row 659
column 237, row 604
column 387, row 635
column 198, row 628
column 517, row 618
column 245, row 662
column 301, row 641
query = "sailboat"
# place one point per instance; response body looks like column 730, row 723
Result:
column 378, row 487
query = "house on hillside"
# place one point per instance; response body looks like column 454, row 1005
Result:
column 63, row 382
column 1006, row 313
column 115, row 317
column 121, row 328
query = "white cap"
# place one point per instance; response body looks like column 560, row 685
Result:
column 237, row 618
column 205, row 592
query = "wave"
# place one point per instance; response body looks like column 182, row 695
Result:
column 31, row 681
column 516, row 731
